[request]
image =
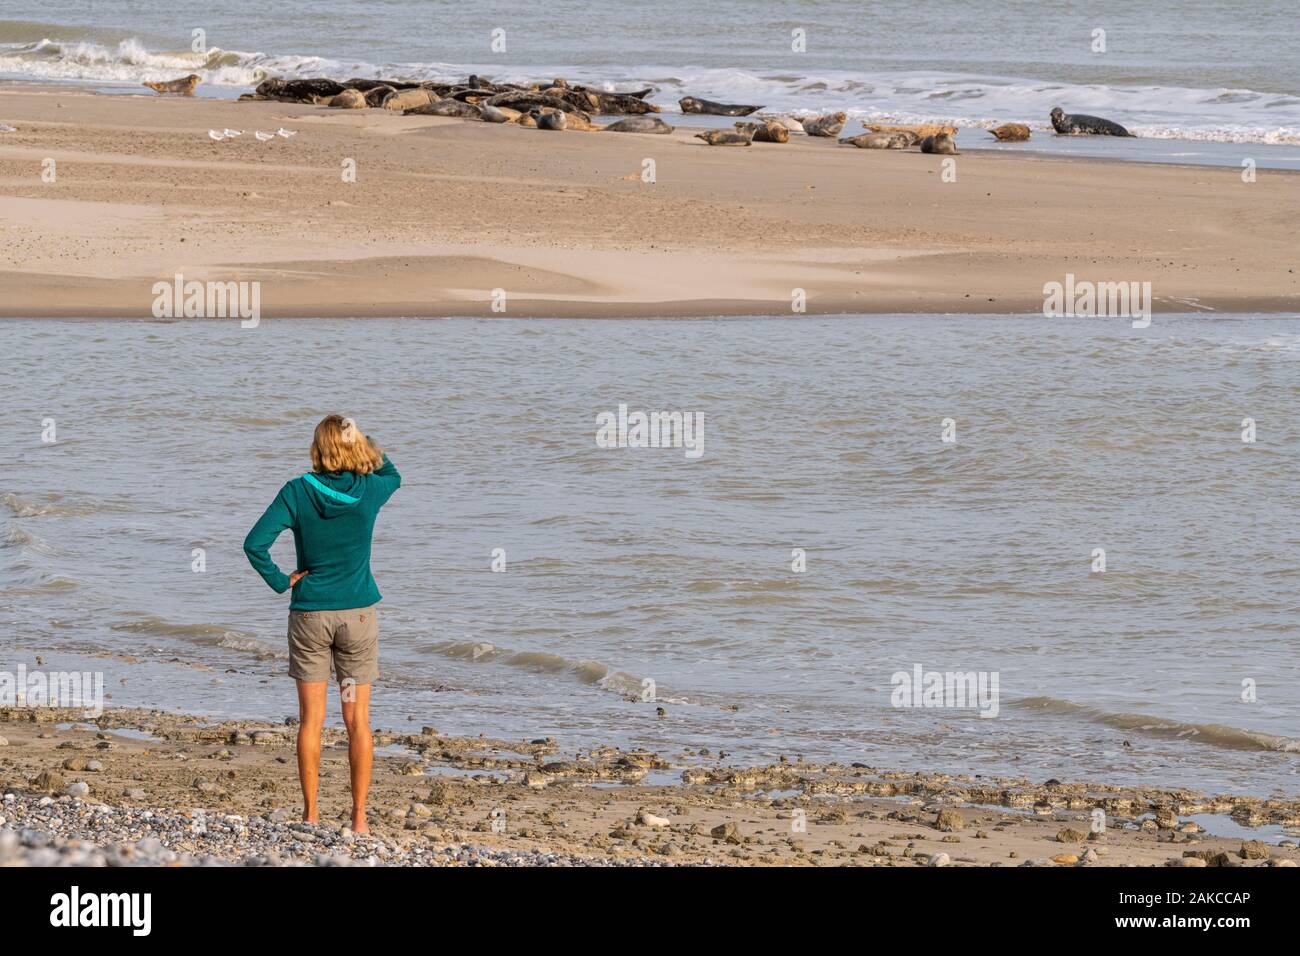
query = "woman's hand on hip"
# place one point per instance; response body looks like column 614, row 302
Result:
column 296, row 577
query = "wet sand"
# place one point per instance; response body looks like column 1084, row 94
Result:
column 443, row 211
column 441, row 800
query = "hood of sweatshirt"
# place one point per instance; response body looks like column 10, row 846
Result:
column 334, row 493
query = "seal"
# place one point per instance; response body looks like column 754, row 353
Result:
column 366, row 85
column 1081, row 124
column 939, row 143
column 550, row 119
column 406, row 99
column 690, row 104
column 920, row 131
column 498, row 114
column 312, row 90
column 349, row 100
column 524, row 102
column 376, row 95
column 182, row 87
column 828, row 125
column 444, row 108
column 724, row 137
column 768, row 131
column 581, row 121
column 879, row 140
column 639, row 124
column 1011, row 133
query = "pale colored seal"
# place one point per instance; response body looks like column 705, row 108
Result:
column 725, row 137
column 349, row 100
column 497, row 114
column 690, row 104
column 639, row 124
column 1011, row 132
column 829, row 125
column 182, row 87
column 879, row 140
column 920, row 130
column 444, row 108
column 768, row 131
column 407, row 99
column 1081, row 124
column 939, row 143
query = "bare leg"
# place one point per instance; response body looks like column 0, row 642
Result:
column 356, row 715
column 311, row 720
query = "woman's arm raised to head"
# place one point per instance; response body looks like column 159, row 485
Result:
column 388, row 478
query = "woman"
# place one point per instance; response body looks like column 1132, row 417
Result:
column 331, row 510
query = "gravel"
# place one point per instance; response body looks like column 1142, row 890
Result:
column 68, row 831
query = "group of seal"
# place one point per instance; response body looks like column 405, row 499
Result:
column 560, row 105
column 931, row 139
column 768, row 131
column 474, row 91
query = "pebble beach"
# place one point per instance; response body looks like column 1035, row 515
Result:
column 148, row 788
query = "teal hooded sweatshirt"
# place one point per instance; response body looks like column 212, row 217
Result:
column 332, row 515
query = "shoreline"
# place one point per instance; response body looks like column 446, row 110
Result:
column 444, row 211
column 183, row 789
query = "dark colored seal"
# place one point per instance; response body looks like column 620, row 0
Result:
column 690, row 104
column 939, row 143
column 1081, row 124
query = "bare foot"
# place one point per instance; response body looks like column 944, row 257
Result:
column 359, row 824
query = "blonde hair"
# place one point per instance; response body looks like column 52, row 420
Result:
column 338, row 445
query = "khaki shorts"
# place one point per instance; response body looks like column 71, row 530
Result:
column 347, row 639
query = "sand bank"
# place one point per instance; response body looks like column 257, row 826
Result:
column 443, row 211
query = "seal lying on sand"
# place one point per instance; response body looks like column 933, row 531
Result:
column 921, row 130
column 376, row 95
column 349, row 100
column 690, row 104
column 366, row 85
column 524, row 102
column 768, row 131
column 313, row 90
column 498, row 114
column 724, row 137
column 939, row 143
column 1081, row 124
column 444, row 108
column 1011, row 132
column 183, row 87
column 828, row 125
column 550, row 119
column 405, row 99
column 639, row 124
column 879, row 140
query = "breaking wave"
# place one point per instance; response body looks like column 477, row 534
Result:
column 1215, row 735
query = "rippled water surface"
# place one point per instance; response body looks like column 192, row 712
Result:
column 632, row 564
